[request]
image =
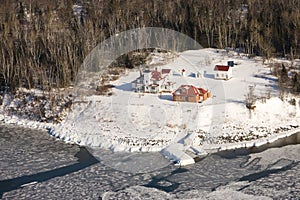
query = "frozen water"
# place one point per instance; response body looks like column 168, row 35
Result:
column 26, row 152
column 132, row 162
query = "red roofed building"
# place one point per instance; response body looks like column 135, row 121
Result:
column 223, row 72
column 154, row 81
column 156, row 76
column 190, row 93
column 166, row 71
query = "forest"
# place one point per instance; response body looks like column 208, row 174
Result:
column 44, row 42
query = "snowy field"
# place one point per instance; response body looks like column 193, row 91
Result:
column 31, row 165
column 134, row 122
column 129, row 121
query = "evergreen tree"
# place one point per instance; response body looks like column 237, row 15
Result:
column 296, row 83
column 283, row 77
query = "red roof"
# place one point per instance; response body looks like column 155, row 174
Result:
column 189, row 90
column 165, row 71
column 154, row 85
column 221, row 68
column 155, row 75
column 202, row 91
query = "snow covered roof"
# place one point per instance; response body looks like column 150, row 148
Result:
column 221, row 68
column 189, row 90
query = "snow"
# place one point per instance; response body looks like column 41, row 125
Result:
column 176, row 153
column 129, row 121
column 140, row 192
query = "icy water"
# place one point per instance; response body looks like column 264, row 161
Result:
column 34, row 165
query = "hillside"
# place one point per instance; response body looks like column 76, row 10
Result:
column 132, row 121
column 44, row 42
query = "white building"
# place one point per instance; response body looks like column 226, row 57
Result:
column 154, row 81
column 223, row 72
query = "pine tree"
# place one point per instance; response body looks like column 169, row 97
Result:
column 283, row 78
column 296, row 83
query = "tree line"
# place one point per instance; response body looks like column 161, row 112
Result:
column 44, row 42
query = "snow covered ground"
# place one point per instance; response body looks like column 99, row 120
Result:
column 129, row 121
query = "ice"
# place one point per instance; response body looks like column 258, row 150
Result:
column 269, row 155
column 175, row 152
column 234, row 195
column 139, row 192
column 273, row 173
column 132, row 162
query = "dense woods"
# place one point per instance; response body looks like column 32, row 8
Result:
column 43, row 42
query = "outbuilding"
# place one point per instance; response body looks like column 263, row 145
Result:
column 223, row 72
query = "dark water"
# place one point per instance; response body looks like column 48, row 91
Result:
column 36, row 166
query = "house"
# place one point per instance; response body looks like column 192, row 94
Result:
column 154, row 81
column 223, row 72
column 190, row 93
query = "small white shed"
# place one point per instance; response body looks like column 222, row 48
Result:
column 223, row 72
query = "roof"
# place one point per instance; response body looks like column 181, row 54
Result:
column 202, row 91
column 154, row 85
column 221, row 68
column 189, row 90
column 165, row 71
column 155, row 75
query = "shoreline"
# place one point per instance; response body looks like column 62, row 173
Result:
column 191, row 154
column 49, row 127
column 214, row 148
column 187, row 154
